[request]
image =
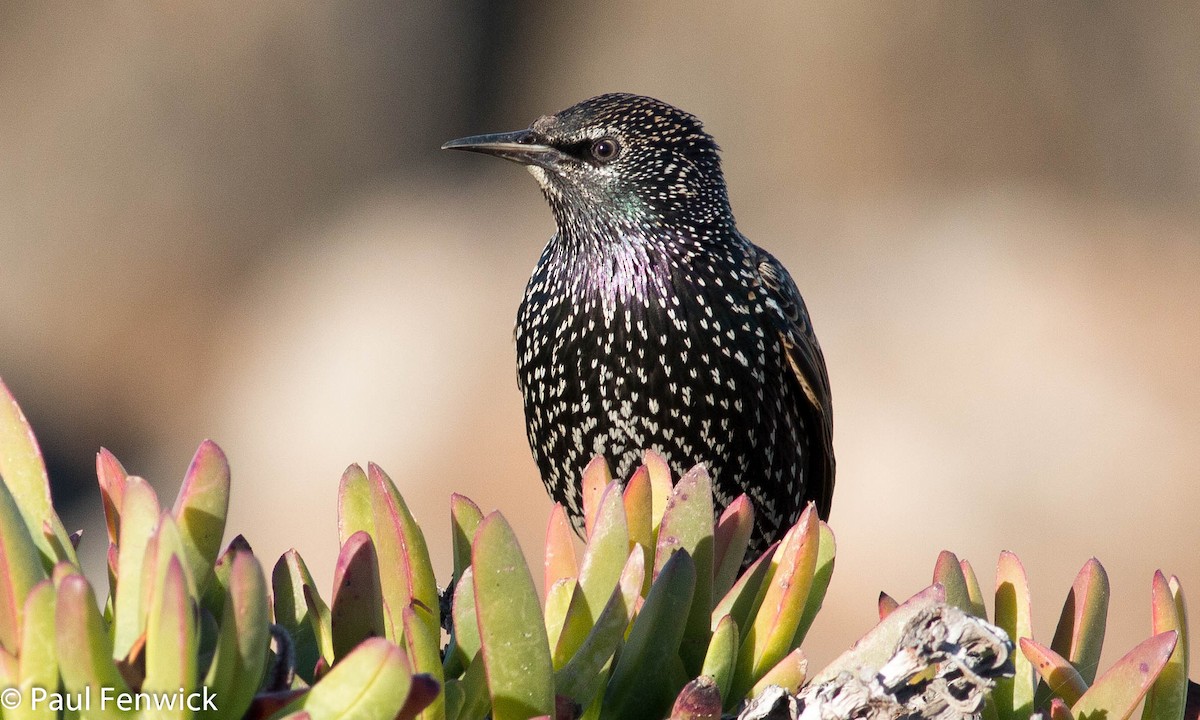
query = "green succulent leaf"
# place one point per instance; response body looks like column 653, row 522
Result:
column 24, row 474
column 720, row 661
column 948, row 573
column 639, row 515
column 373, row 681
column 405, row 569
column 139, row 517
column 356, row 612
column 1060, row 676
column 289, row 577
column 687, row 524
column 1080, row 633
column 822, row 575
column 355, row 510
column 1014, row 696
column 579, row 677
column 1116, row 694
column 1168, row 696
column 604, row 558
column 82, row 644
column 320, row 622
column 784, row 594
column 742, row 600
column 661, row 483
column 20, row 567
column 731, row 540
column 111, row 475
column 465, row 517
column 466, row 624
column 239, row 660
column 473, row 686
column 788, row 673
column 877, row 646
column 200, row 510
column 596, row 478
column 424, row 652
column 37, row 661
column 974, row 591
column 516, row 652
column 560, row 562
column 171, row 638
column 562, row 596
column 648, row 674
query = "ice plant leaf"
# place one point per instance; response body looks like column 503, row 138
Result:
column 596, row 477
column 788, row 673
column 700, row 699
column 826, row 553
column 639, row 514
column 1062, row 679
column 730, row 543
column 404, row 565
column 887, row 605
column 661, row 483
column 560, row 560
column 721, row 659
column 288, row 579
column 579, row 679
column 139, row 516
column 1116, row 694
column 741, row 602
column 605, row 554
column 171, row 637
column 877, row 646
column 38, row 662
column 687, row 524
column 1080, row 633
column 20, row 567
column 643, row 682
column 465, row 517
column 200, row 510
column 1014, row 696
column 355, row 512
column 356, row 611
column 784, row 593
column 111, row 475
column 949, row 574
column 81, row 641
column 423, row 648
column 1168, row 696
column 1059, row 710
column 516, row 652
column 239, row 659
column 319, row 621
column 373, row 681
column 974, row 592
column 466, row 624
column 23, row 471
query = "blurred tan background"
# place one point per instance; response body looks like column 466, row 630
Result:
column 231, row 220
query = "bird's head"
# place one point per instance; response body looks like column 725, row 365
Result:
column 618, row 159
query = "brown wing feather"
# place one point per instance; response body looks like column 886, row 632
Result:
column 808, row 366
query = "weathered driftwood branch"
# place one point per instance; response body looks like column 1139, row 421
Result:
column 941, row 668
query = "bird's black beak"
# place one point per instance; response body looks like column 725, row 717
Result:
column 521, row 147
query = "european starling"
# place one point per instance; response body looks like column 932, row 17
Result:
column 651, row 322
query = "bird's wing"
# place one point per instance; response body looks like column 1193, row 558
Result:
column 808, row 366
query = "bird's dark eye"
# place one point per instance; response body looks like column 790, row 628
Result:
column 605, row 149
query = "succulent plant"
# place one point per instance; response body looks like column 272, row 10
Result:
column 659, row 614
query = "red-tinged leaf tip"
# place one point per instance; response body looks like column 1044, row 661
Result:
column 1060, row 711
column 887, row 605
column 560, row 562
column 596, row 477
column 700, row 699
column 111, row 476
column 421, row 694
column 1061, row 677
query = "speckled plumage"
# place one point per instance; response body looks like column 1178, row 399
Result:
column 651, row 322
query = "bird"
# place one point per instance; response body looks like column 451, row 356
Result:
column 651, row 322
